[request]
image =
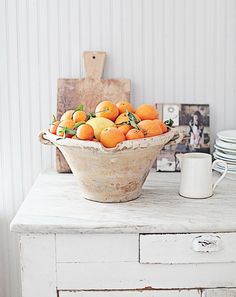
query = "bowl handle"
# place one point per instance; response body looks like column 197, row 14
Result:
column 43, row 138
column 177, row 138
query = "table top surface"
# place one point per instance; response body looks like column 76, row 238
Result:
column 55, row 205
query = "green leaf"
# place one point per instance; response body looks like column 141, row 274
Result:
column 66, row 130
column 169, row 123
column 78, row 124
column 91, row 115
column 133, row 124
column 80, row 107
column 131, row 117
column 54, row 119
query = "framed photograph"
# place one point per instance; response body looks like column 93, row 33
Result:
column 194, row 121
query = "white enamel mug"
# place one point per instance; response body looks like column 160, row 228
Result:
column 196, row 175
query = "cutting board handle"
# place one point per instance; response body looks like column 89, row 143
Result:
column 94, row 64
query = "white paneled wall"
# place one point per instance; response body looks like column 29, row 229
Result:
column 173, row 50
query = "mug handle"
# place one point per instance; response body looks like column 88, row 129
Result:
column 223, row 174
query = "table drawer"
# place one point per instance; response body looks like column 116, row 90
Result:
column 134, row 293
column 86, row 248
column 187, row 248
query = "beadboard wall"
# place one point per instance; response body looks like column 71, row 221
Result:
column 173, row 51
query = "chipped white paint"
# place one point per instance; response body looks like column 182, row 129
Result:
column 125, row 275
column 38, row 265
column 55, row 205
column 83, row 245
column 149, row 293
column 219, row 293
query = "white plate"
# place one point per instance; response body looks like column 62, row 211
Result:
column 227, row 135
column 229, row 161
column 230, row 167
column 226, row 156
column 224, row 150
column 229, row 175
column 227, row 145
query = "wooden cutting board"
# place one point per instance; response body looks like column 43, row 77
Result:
column 89, row 91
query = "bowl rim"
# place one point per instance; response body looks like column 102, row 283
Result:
column 46, row 137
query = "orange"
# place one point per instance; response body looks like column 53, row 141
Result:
column 69, row 124
column 74, row 137
column 53, row 127
column 124, row 119
column 79, row 116
column 150, row 128
column 146, row 112
column 67, row 115
column 111, row 136
column 163, row 125
column 124, row 105
column 107, row 109
column 124, row 128
column 134, row 134
column 85, row 132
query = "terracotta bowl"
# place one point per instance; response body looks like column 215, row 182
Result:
column 111, row 175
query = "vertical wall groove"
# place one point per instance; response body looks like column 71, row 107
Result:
column 172, row 50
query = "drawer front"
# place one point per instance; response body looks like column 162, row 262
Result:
column 187, row 248
column 135, row 293
column 84, row 248
column 130, row 275
column 219, row 293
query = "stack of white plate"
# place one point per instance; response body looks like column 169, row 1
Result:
column 225, row 149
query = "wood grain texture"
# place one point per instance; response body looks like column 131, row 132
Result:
column 89, row 91
column 55, row 205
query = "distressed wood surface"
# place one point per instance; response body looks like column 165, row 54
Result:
column 129, row 275
column 179, row 248
column 135, row 293
column 38, row 265
column 89, row 91
column 219, row 293
column 55, row 205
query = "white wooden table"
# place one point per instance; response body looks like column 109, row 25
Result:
column 160, row 245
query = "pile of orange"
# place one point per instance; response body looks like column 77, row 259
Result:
column 110, row 123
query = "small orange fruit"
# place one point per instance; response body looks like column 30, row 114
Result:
column 107, row 109
column 67, row 115
column 146, row 112
column 53, row 127
column 85, row 132
column 124, row 119
column 124, row 128
column 74, row 137
column 150, row 128
column 79, row 116
column 124, row 105
column 163, row 125
column 134, row 134
column 111, row 136
column 69, row 124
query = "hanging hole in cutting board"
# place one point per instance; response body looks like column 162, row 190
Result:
column 94, row 57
